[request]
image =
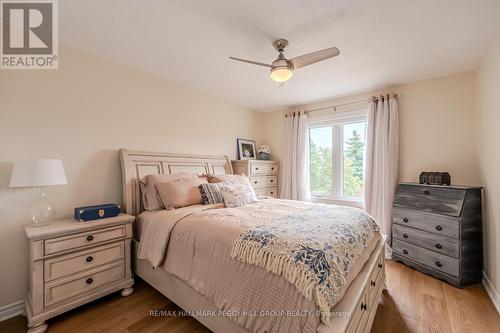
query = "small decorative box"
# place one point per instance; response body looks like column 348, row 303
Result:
column 435, row 178
column 96, row 212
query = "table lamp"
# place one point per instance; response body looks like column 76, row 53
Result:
column 39, row 173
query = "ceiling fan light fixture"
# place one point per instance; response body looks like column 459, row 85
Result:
column 281, row 74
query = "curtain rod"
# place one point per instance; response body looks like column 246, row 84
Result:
column 335, row 106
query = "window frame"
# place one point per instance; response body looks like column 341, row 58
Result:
column 336, row 121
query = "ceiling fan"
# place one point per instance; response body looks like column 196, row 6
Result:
column 282, row 68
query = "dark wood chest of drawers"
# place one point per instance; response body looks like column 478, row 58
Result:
column 437, row 230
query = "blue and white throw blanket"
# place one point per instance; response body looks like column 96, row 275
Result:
column 313, row 246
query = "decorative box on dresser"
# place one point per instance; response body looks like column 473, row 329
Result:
column 72, row 263
column 437, row 230
column 263, row 175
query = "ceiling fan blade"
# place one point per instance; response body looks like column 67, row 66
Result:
column 250, row 62
column 314, row 57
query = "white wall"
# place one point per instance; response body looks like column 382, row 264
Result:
column 488, row 146
column 437, row 127
column 83, row 113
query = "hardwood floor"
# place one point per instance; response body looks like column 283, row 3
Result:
column 414, row 302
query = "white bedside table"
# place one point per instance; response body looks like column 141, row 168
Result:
column 72, row 263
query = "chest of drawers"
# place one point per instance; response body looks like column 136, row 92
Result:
column 72, row 263
column 437, row 230
column 263, row 175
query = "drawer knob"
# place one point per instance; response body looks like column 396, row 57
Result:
column 405, row 220
column 379, row 265
column 272, row 168
column 89, row 258
column 405, row 235
column 89, row 280
column 405, row 251
column 256, row 168
column 427, row 192
column 372, row 283
column 272, row 192
column 364, row 306
column 439, row 228
column 272, row 180
column 438, row 264
column 255, row 182
column 90, row 238
column 438, row 246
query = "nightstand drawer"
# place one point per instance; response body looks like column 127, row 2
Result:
column 437, row 224
column 263, row 181
column 81, row 261
column 81, row 284
column 264, row 168
column 59, row 244
column 270, row 191
column 430, row 241
column 434, row 260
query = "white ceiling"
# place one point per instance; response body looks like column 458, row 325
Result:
column 382, row 42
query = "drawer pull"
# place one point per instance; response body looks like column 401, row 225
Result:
column 272, row 192
column 438, row 246
column 372, row 283
column 364, row 306
column 405, row 251
column 439, row 228
column 272, row 180
column 90, row 238
column 405, row 235
column 89, row 280
column 255, row 182
column 256, row 168
column 379, row 265
column 405, row 220
column 427, row 192
column 89, row 258
column 272, row 168
column 438, row 264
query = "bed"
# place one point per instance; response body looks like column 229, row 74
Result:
column 222, row 303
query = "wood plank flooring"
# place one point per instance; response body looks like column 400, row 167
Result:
column 414, row 302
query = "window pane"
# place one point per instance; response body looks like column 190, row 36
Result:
column 321, row 159
column 353, row 148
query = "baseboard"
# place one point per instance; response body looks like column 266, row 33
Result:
column 11, row 310
column 494, row 295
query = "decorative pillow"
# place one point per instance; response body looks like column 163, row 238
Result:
column 229, row 178
column 150, row 197
column 236, row 195
column 181, row 192
column 211, row 193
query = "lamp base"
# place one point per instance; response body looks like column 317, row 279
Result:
column 41, row 212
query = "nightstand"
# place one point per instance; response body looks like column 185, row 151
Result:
column 73, row 263
column 263, row 175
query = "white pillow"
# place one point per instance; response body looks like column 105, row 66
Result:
column 236, row 195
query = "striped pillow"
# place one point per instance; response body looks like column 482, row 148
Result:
column 211, row 193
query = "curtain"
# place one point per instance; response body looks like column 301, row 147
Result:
column 295, row 173
column 381, row 168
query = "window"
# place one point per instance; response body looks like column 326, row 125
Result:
column 337, row 157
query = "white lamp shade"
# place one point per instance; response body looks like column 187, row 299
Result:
column 41, row 172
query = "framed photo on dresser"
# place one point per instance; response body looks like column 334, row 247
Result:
column 246, row 149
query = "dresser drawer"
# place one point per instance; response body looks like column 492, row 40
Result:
column 436, row 224
column 376, row 279
column 59, row 244
column 436, row 261
column 431, row 241
column 257, row 168
column 81, row 284
column 76, row 262
column 263, row 181
column 432, row 199
column 270, row 191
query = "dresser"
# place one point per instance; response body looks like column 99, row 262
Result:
column 72, row 263
column 437, row 230
column 263, row 175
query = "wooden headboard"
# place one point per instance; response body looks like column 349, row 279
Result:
column 138, row 164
